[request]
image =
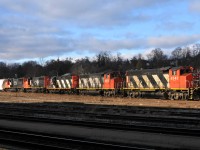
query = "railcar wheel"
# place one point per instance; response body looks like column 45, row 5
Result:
column 176, row 96
column 165, row 95
column 136, row 94
column 185, row 96
column 130, row 94
column 171, row 96
column 181, row 96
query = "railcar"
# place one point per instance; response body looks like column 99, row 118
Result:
column 36, row 84
column 67, row 83
column 169, row 83
column 107, row 84
column 91, row 83
column 14, row 84
column 184, row 83
column 3, row 84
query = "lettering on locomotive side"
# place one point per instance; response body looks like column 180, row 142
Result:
column 174, row 78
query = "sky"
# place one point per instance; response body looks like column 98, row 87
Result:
column 48, row 29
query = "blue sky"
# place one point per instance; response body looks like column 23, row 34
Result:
column 45, row 29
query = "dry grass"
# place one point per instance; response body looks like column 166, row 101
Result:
column 12, row 97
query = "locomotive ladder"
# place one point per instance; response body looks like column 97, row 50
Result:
column 191, row 93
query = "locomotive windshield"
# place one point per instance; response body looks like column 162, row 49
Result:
column 187, row 70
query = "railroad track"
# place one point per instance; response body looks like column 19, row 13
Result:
column 42, row 141
column 47, row 138
column 87, row 108
column 109, row 125
column 140, row 119
column 103, row 117
column 153, row 128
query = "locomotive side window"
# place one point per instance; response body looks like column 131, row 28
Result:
column 112, row 75
column 185, row 71
column 182, row 72
column 174, row 73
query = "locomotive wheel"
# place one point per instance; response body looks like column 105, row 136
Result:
column 129, row 94
column 109, row 93
column 176, row 96
column 165, row 95
column 181, row 96
column 185, row 96
column 136, row 94
column 171, row 96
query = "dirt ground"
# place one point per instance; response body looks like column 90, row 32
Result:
column 12, row 97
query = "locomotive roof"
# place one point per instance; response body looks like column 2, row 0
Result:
column 98, row 74
column 149, row 71
column 67, row 74
column 92, row 75
column 180, row 67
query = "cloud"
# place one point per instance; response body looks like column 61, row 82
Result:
column 194, row 6
column 94, row 44
column 172, row 41
column 41, row 47
column 175, row 26
column 38, row 29
column 85, row 13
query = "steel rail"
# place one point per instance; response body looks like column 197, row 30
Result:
column 103, row 109
column 107, row 125
column 66, row 143
column 103, row 116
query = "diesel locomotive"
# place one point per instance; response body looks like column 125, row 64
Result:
column 169, row 83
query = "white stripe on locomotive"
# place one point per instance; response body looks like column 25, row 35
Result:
column 68, row 83
column 158, row 81
column 148, row 82
column 59, row 85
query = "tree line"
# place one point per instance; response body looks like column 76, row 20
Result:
column 102, row 62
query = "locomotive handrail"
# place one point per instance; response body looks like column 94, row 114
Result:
column 189, row 83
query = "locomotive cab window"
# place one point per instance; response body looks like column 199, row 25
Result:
column 185, row 71
column 182, row 71
column 111, row 75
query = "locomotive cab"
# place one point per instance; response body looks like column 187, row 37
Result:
column 182, row 77
column 112, row 80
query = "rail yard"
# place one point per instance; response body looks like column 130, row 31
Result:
column 60, row 121
column 99, row 75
